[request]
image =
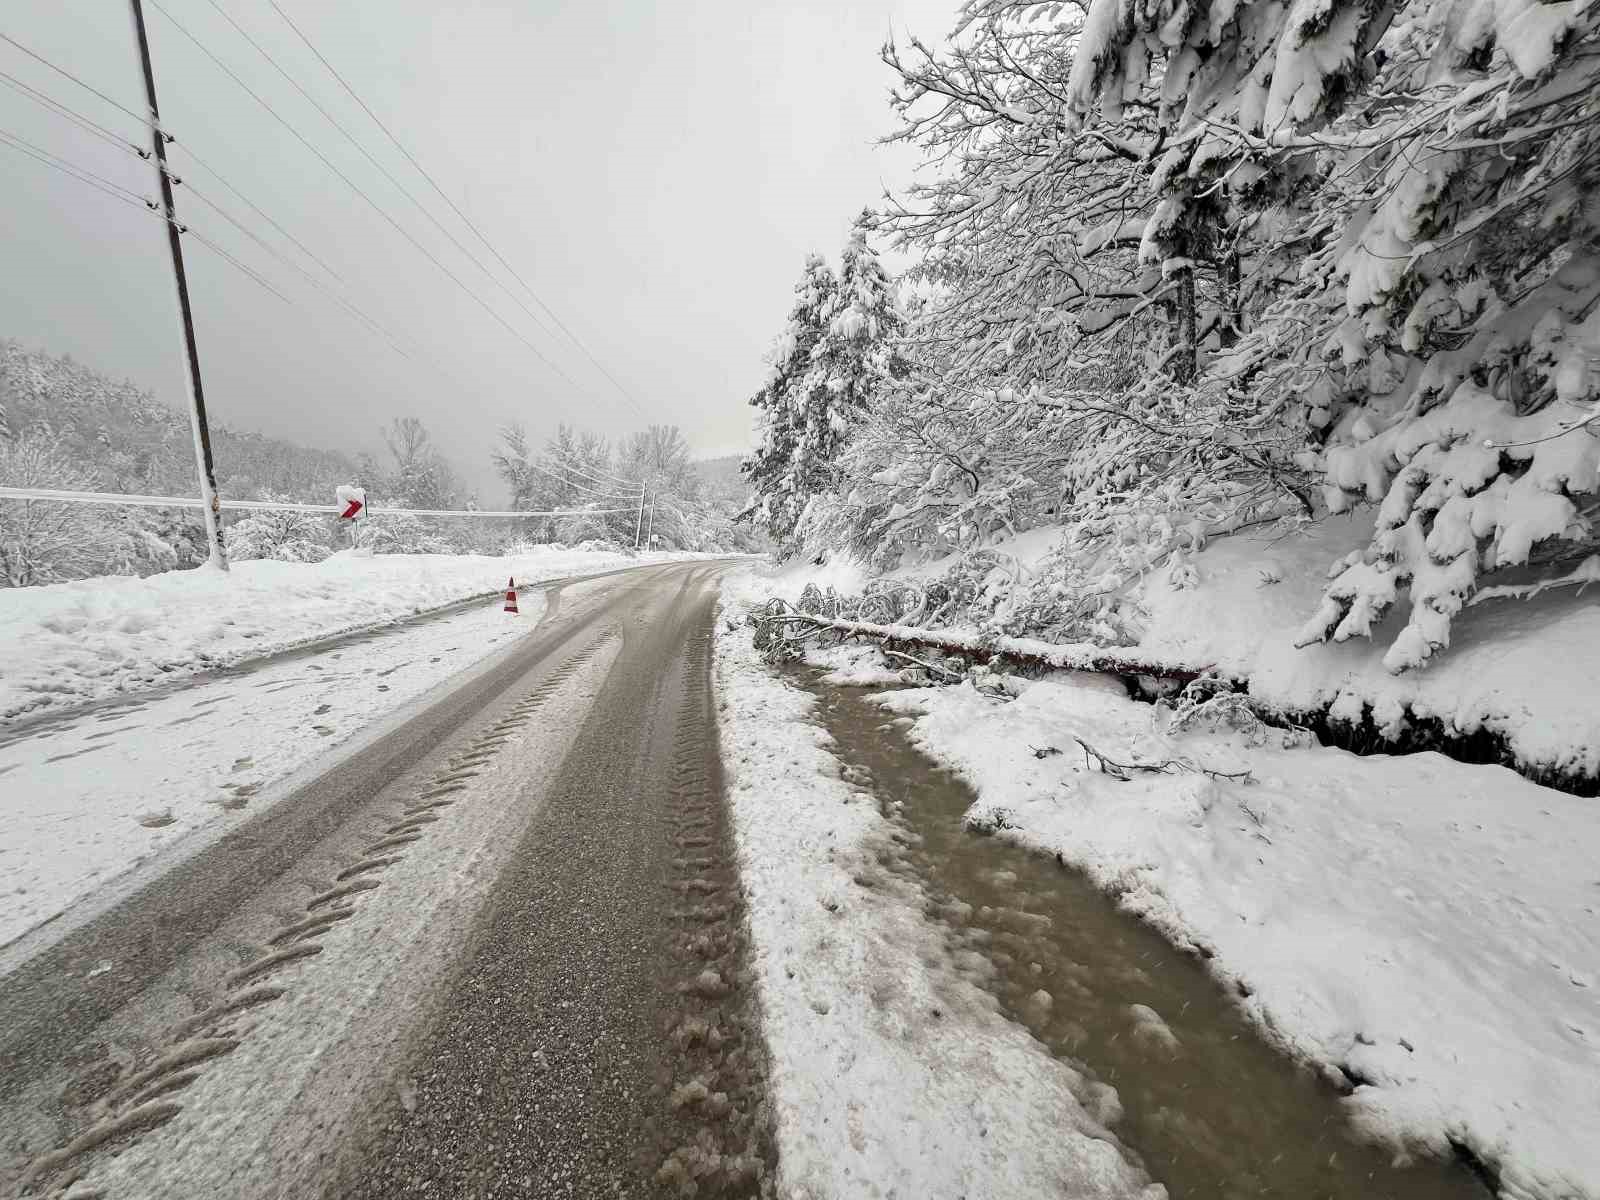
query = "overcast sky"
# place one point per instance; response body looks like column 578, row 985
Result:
column 656, row 169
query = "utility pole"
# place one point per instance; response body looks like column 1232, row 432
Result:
column 650, row 526
column 638, row 526
column 191, row 357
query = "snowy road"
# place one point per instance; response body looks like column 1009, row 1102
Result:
column 113, row 787
column 527, row 863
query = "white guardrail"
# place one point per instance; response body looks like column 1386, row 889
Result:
column 136, row 501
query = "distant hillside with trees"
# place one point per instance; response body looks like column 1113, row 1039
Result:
column 65, row 425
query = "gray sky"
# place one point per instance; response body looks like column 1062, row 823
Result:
column 656, row 169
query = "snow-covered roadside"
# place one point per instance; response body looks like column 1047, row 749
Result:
column 1523, row 670
column 88, row 802
column 73, row 642
column 891, row 1075
column 1431, row 927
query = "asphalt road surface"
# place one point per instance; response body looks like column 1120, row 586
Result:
column 498, row 951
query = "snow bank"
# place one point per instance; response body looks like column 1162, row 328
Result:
column 890, row 1075
column 842, row 573
column 1431, row 927
column 73, row 642
column 1522, row 669
column 96, row 802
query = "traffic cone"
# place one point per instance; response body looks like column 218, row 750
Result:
column 511, row 596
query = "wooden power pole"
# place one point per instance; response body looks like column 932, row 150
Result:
column 191, row 356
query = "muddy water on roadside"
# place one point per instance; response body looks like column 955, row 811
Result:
column 1212, row 1110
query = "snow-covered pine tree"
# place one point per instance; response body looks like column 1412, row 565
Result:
column 780, row 479
column 856, row 367
column 857, row 356
column 1404, row 202
column 1461, row 377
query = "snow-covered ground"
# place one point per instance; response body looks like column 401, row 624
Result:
column 1523, row 669
column 94, row 802
column 1432, row 927
column 891, row 1074
column 69, row 643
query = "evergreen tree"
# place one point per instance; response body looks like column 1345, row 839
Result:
column 856, row 357
column 778, row 476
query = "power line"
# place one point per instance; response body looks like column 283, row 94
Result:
column 595, row 492
column 348, row 305
column 110, row 135
column 248, row 270
column 301, row 246
column 382, row 170
column 68, row 74
column 466, row 220
column 117, row 192
column 85, row 176
column 600, row 476
column 114, row 189
column 61, row 110
column 454, row 278
column 82, row 174
column 134, row 500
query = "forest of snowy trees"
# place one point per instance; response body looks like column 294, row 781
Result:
column 1184, row 269
column 691, row 506
column 65, row 426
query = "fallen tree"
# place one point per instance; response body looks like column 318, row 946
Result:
column 1198, row 692
column 783, row 628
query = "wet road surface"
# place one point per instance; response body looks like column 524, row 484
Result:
column 581, row 1027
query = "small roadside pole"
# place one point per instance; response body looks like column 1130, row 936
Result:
column 210, row 505
column 354, row 502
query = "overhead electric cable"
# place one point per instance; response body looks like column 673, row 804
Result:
column 58, row 496
column 348, row 305
column 601, row 476
column 82, row 174
column 118, row 192
column 382, row 170
column 137, row 116
column 243, row 199
column 111, row 135
column 196, row 235
column 77, row 118
column 466, row 220
column 356, row 188
column 596, row 493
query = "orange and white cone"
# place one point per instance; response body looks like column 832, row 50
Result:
column 511, row 596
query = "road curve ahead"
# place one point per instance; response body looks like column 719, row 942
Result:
column 498, row 952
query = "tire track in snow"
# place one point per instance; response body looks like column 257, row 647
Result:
column 598, row 1038
column 130, row 1110
column 718, row 1121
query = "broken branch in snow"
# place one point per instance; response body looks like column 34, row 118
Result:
column 1587, row 572
column 1121, row 770
column 921, row 662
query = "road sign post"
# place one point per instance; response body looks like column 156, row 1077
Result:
column 353, row 503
